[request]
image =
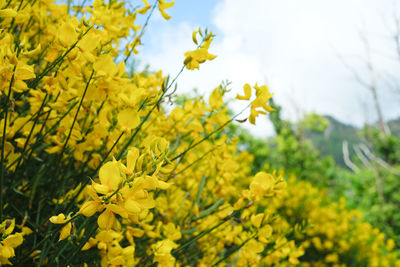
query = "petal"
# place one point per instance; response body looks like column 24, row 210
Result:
column 65, row 231
column 216, row 101
column 106, row 219
column 118, row 210
column 132, row 206
column 131, row 158
column 247, row 93
column 25, row 72
column 8, row 13
column 147, row 203
column 128, row 119
column 59, row 219
column 257, row 219
column 13, row 240
column 10, row 227
column 89, row 208
column 109, row 175
column 162, row 185
column 101, row 189
column 67, row 34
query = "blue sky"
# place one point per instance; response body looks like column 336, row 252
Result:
column 299, row 48
column 193, row 12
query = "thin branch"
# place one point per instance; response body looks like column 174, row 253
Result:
column 346, row 158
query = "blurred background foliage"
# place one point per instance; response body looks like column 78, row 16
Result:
column 314, row 150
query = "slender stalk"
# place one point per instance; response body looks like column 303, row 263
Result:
column 36, row 81
column 3, row 167
column 142, row 31
column 75, row 118
column 208, row 135
column 31, row 132
column 231, row 252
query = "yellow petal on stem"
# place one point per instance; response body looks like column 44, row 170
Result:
column 24, row 72
column 6, row 253
column 101, row 189
column 59, row 219
column 109, row 175
column 147, row 203
column 255, row 246
column 67, row 35
column 162, row 6
column 106, row 219
column 247, row 93
column 26, row 231
column 10, row 227
column 131, row 158
column 128, row 119
column 65, row 231
column 194, row 38
column 216, row 101
column 89, row 208
column 118, row 210
column 143, row 10
column 13, row 240
column 8, row 13
column 33, row 52
column 162, row 185
column 150, row 182
column 132, row 206
column 20, row 86
column 257, row 219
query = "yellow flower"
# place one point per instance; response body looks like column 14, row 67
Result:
column 128, row 119
column 162, row 5
column 106, row 220
column 262, row 184
column 66, row 229
column 110, row 178
column 67, row 34
column 257, row 219
column 254, row 114
column 247, row 93
column 194, row 58
column 89, row 208
column 162, row 252
column 216, row 101
column 262, row 97
column 8, row 13
column 144, row 9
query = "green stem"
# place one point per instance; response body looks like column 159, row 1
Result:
column 208, row 135
column 142, row 31
column 3, row 167
column 31, row 132
column 36, row 81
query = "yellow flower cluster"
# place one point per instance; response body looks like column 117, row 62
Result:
column 328, row 233
column 130, row 181
column 262, row 97
column 9, row 240
column 194, row 58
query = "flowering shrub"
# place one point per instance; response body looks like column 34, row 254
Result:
column 97, row 172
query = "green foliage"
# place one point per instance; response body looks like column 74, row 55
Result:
column 387, row 146
column 360, row 190
column 290, row 150
column 301, row 149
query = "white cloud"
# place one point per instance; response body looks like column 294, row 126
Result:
column 292, row 46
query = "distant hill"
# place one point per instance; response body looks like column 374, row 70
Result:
column 329, row 142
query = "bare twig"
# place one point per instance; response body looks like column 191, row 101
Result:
column 346, row 158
